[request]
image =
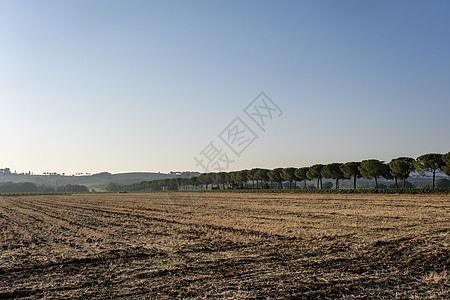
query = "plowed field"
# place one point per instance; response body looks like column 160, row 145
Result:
column 224, row 245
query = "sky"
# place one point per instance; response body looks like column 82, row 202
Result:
column 151, row 86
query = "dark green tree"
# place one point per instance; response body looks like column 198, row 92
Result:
column 315, row 171
column 239, row 178
column 429, row 163
column 234, row 178
column 351, row 170
column 113, row 187
column 193, row 182
column 446, row 160
column 288, row 174
column 373, row 168
column 243, row 177
column 167, row 183
column 228, row 180
column 204, row 179
column 251, row 176
column 185, row 182
column 156, row 184
column 174, row 184
column 443, row 183
column 327, row 185
column 75, row 188
column 18, row 187
column 395, row 176
column 219, row 179
column 333, row 171
column 300, row 175
column 275, row 176
column 262, row 175
column 42, row 188
column 402, row 167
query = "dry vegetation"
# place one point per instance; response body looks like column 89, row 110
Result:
column 224, row 245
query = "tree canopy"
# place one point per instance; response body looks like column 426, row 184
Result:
column 315, row 171
column 300, row 174
column 446, row 160
column 373, row 168
column 333, row 171
column 402, row 166
column 429, row 163
column 351, row 170
column 262, row 174
column 275, row 176
column 288, row 174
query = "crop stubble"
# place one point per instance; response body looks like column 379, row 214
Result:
column 225, row 245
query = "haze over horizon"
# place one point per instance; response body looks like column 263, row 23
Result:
column 146, row 86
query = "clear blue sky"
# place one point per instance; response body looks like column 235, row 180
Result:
column 91, row 86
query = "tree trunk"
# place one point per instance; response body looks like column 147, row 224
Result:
column 318, row 182
column 321, row 183
column 396, row 183
column 404, row 181
column 376, row 182
column 304, row 183
column 337, row 183
column 354, row 182
column 434, row 176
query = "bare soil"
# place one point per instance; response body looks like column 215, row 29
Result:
column 225, row 245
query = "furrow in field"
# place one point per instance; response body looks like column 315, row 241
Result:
column 212, row 245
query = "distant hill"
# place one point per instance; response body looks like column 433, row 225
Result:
column 94, row 181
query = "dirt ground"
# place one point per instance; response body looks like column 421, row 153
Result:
column 225, row 245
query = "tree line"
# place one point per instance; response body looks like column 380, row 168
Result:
column 398, row 170
column 29, row 187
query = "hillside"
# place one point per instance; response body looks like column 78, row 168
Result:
column 95, row 181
